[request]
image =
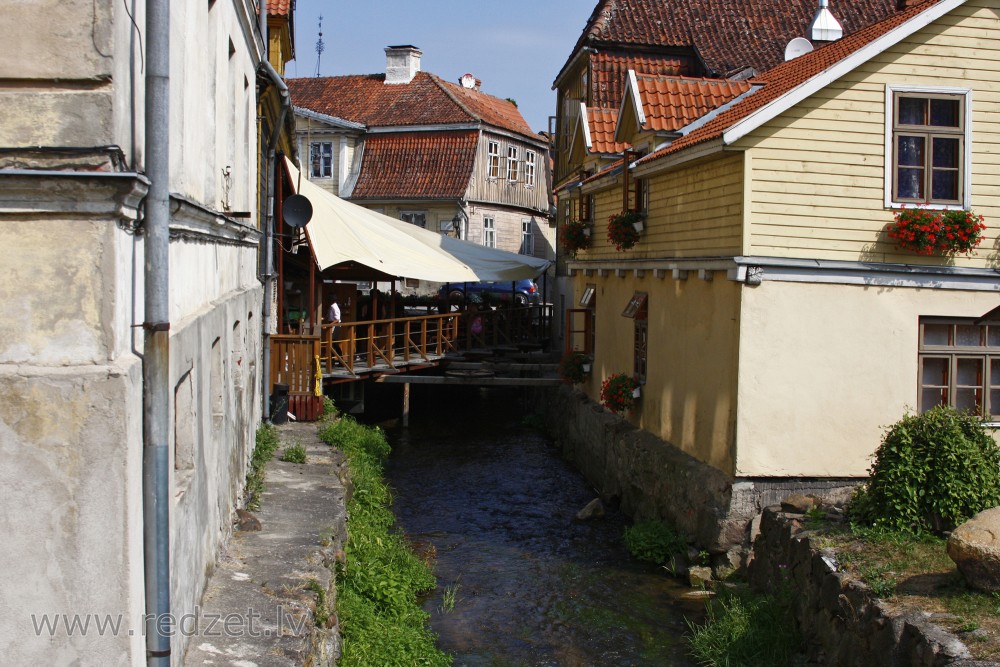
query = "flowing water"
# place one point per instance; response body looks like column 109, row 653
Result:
column 519, row 581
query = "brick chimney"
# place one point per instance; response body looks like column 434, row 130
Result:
column 401, row 63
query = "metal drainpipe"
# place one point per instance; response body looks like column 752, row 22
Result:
column 156, row 346
column 286, row 104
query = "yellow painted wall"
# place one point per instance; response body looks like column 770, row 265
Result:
column 817, row 181
column 689, row 397
column 694, row 211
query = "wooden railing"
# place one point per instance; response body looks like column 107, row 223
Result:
column 389, row 344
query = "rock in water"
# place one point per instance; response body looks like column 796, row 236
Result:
column 593, row 510
column 975, row 548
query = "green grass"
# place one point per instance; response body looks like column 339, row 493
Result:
column 743, row 629
column 294, row 454
column 266, row 445
column 381, row 623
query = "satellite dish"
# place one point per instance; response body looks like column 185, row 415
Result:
column 297, row 211
column 797, row 47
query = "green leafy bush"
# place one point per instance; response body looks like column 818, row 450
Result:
column 654, row 542
column 264, row 448
column 932, row 472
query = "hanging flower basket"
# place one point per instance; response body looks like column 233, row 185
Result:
column 617, row 392
column 575, row 235
column 574, row 367
column 624, row 228
column 926, row 231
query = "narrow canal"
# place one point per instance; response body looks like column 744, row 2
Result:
column 519, row 581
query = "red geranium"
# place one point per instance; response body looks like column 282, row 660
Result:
column 616, row 392
column 926, row 231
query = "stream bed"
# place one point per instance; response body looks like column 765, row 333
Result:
column 520, row 582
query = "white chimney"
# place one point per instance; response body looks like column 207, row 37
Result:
column 401, row 63
column 824, row 27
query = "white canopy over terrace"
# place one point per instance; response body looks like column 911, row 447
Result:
column 343, row 233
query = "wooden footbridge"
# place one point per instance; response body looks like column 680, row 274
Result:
column 502, row 347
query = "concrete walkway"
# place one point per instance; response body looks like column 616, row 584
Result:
column 271, row 585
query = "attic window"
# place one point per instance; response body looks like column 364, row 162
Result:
column 493, row 159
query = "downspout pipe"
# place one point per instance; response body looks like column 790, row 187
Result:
column 268, row 276
column 156, row 339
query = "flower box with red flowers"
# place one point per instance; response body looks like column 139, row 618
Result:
column 931, row 231
column 575, row 235
column 618, row 392
column 624, row 228
column 574, row 367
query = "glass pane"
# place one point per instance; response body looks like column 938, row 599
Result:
column 993, row 338
column 910, row 184
column 968, row 334
column 968, row 399
column 944, row 185
column 932, row 397
column 935, row 371
column 912, row 111
column 995, row 402
column 969, row 373
column 910, row 151
column 995, row 373
column 945, row 152
column 944, row 113
column 936, row 334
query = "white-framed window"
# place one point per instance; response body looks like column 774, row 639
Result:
column 960, row 365
column 527, row 236
column 529, row 169
column 927, row 146
column 321, row 159
column 512, row 164
column 493, row 160
column 418, row 218
column 489, row 231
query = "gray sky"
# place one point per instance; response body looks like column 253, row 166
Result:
column 516, row 47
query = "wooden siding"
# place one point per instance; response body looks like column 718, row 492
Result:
column 694, row 211
column 502, row 192
column 817, row 179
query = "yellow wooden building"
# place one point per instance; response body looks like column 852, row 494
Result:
column 775, row 327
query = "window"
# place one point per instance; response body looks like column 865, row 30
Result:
column 321, row 159
column 928, row 146
column 960, row 365
column 493, row 160
column 489, row 232
column 636, row 309
column 527, row 237
column 418, row 218
column 512, row 164
column 529, row 169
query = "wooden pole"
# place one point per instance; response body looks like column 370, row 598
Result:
column 406, row 404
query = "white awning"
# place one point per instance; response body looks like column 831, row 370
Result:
column 341, row 232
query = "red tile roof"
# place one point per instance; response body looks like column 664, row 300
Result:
column 280, row 7
column 782, row 79
column 602, row 124
column 416, row 165
column 671, row 103
column 608, row 72
column 728, row 35
column 426, row 100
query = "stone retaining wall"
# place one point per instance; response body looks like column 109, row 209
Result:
column 652, row 479
column 843, row 621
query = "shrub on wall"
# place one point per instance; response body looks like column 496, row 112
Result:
column 932, row 472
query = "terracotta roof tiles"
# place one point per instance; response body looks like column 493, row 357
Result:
column 608, row 71
column 416, row 165
column 602, row 124
column 728, row 35
column 426, row 100
column 671, row 103
column 280, row 7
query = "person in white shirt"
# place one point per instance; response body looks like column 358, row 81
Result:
column 333, row 316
